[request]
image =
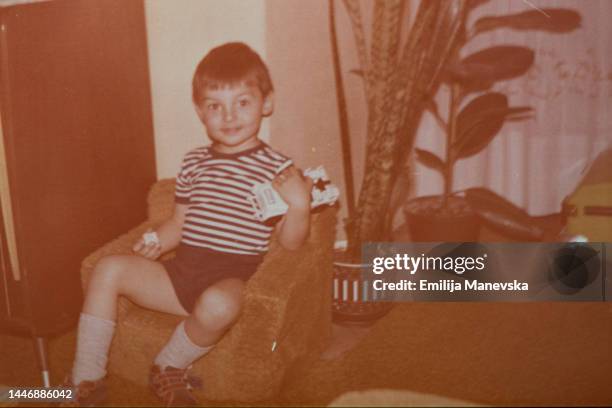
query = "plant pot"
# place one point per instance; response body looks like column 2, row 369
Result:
column 353, row 299
column 429, row 220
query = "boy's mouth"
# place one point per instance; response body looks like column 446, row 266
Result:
column 230, row 130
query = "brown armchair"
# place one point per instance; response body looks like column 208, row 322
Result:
column 286, row 318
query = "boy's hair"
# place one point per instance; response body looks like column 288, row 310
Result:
column 230, row 64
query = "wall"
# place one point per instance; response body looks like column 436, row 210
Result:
column 179, row 34
column 305, row 122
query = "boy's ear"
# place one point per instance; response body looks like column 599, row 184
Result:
column 268, row 104
column 199, row 110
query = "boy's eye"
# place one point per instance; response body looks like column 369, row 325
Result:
column 213, row 106
column 243, row 102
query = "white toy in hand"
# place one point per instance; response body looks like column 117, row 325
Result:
column 267, row 203
column 150, row 238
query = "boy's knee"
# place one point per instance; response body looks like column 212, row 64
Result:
column 107, row 271
column 217, row 308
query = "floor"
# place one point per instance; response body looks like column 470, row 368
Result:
column 27, row 372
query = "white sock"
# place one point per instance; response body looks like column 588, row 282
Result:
column 180, row 351
column 94, row 338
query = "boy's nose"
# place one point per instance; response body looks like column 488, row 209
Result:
column 229, row 115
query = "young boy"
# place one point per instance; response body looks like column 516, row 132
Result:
column 218, row 240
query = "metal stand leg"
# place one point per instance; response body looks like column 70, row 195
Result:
column 41, row 353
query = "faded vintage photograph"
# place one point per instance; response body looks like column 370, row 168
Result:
column 199, row 200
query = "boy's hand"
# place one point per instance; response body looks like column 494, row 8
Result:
column 151, row 250
column 293, row 188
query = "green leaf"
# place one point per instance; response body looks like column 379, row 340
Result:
column 432, row 106
column 501, row 214
column 519, row 118
column 480, row 197
column 555, row 20
column 484, row 130
column 493, row 64
column 430, row 160
column 519, row 113
column 472, row 4
column 480, row 121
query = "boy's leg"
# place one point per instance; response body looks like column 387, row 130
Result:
column 145, row 282
column 215, row 311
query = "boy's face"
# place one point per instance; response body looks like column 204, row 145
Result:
column 232, row 115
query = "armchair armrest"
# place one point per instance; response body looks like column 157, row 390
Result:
column 286, row 319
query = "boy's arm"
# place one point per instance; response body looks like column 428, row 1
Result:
column 294, row 189
column 294, row 228
column 169, row 234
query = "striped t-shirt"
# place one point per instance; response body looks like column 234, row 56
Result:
column 217, row 186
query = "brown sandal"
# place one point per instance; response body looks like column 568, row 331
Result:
column 173, row 386
column 85, row 393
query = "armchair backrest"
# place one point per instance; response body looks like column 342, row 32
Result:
column 160, row 200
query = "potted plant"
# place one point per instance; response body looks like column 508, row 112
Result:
column 398, row 75
column 400, row 78
column 470, row 127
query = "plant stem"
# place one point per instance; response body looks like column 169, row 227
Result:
column 342, row 114
column 451, row 130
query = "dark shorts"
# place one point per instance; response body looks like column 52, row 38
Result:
column 194, row 269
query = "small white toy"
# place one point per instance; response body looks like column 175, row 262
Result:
column 150, row 238
column 267, row 203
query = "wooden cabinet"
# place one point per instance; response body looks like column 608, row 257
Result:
column 77, row 154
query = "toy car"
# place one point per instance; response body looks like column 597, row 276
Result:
column 268, row 204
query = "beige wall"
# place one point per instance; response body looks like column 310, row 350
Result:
column 305, row 122
column 179, row 34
